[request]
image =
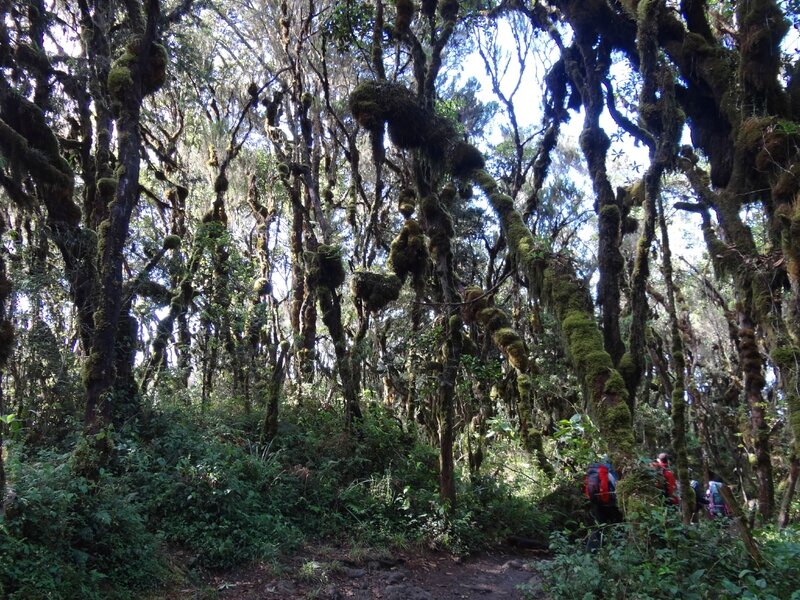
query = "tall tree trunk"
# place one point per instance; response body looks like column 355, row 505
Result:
column 788, row 494
column 301, row 320
column 129, row 80
column 269, row 427
column 439, row 229
column 679, row 371
column 6, row 346
column 752, row 364
column 587, row 74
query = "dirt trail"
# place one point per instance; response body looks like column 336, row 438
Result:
column 403, row 576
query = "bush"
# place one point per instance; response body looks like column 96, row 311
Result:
column 655, row 556
column 66, row 537
column 211, row 492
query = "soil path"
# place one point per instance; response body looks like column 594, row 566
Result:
column 403, row 576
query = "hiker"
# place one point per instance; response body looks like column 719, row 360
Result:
column 601, row 491
column 715, row 503
column 665, row 479
column 700, row 500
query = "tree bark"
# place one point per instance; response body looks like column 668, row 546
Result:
column 741, row 524
column 269, row 427
column 788, row 494
column 128, row 90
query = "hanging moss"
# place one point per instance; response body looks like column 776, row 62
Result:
column 324, row 267
column 262, row 286
column 172, row 242
column 120, row 80
column 107, row 186
column 468, row 346
column 404, row 15
column 376, row 290
column 409, row 253
column 474, row 301
column 616, row 385
column 505, row 338
column 410, row 125
column 407, row 202
column 433, row 211
column 221, row 184
column 788, row 184
column 153, row 71
column 463, row 159
column 154, row 75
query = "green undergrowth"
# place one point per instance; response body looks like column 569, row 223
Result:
column 655, row 556
column 204, row 487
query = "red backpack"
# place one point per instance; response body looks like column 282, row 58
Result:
column 666, row 482
column 600, row 486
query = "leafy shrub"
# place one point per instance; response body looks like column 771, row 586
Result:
column 655, row 556
column 211, row 492
column 66, row 537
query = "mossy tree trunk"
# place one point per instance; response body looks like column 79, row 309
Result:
column 552, row 279
column 743, row 116
column 131, row 78
column 437, row 225
column 659, row 129
column 789, row 492
column 754, row 381
column 587, row 65
column 6, row 346
column 317, row 266
column 272, row 393
column 409, row 115
column 678, row 395
column 508, row 341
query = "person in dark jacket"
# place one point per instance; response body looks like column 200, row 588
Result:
column 700, row 500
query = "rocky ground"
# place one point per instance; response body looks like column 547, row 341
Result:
column 409, row 575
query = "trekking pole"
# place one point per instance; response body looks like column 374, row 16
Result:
column 741, row 525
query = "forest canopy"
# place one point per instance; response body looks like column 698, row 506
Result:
column 303, row 232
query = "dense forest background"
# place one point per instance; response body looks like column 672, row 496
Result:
column 389, row 273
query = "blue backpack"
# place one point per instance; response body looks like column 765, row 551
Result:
column 716, row 503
